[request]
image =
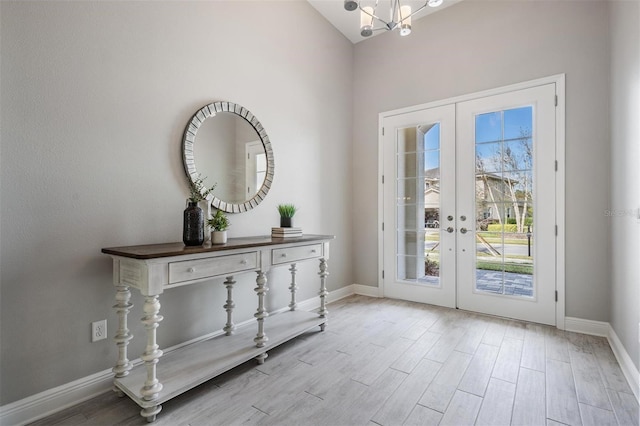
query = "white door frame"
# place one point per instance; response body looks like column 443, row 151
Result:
column 559, row 81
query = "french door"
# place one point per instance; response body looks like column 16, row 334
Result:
column 469, row 208
column 419, row 170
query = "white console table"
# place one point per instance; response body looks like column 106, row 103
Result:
column 153, row 268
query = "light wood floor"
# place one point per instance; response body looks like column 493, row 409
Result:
column 390, row 362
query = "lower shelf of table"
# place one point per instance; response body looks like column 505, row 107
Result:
column 188, row 367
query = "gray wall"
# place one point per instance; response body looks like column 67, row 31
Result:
column 625, row 174
column 95, row 97
column 478, row 45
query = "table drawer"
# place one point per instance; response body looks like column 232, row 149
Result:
column 210, row 267
column 293, row 254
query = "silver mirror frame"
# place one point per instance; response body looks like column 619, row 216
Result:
column 188, row 159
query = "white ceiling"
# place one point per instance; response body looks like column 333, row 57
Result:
column 348, row 23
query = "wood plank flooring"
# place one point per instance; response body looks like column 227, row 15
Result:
column 391, row 362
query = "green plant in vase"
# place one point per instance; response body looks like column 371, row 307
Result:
column 287, row 211
column 219, row 224
column 198, row 191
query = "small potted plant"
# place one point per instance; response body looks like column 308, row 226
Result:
column 286, row 214
column 219, row 224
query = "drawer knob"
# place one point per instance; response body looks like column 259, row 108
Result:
column 314, row 251
column 243, row 262
column 283, row 255
column 191, row 270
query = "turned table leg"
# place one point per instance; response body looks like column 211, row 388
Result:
column 293, row 305
column 122, row 337
column 229, row 327
column 151, row 355
column 323, row 293
column 261, row 338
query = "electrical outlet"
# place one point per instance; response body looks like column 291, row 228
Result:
column 98, row 330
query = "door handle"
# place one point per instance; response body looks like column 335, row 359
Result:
column 449, row 230
column 463, row 230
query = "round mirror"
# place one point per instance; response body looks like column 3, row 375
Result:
column 224, row 144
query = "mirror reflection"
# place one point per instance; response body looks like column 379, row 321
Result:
column 226, row 145
column 228, row 151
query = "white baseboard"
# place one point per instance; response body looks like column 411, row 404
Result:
column 626, row 363
column 584, row 326
column 366, row 290
column 46, row 403
column 56, row 399
column 604, row 329
column 314, row 302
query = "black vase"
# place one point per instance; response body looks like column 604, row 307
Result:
column 193, row 225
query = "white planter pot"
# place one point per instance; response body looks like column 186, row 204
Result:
column 218, row 237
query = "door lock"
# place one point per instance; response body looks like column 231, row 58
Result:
column 463, row 218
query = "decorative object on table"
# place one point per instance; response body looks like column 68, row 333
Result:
column 193, row 225
column 193, row 217
column 286, row 214
column 287, row 232
column 219, row 224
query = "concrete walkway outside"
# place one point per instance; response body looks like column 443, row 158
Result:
column 514, row 284
column 491, row 281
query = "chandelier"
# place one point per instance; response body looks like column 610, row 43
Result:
column 399, row 15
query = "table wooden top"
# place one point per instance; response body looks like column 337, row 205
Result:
column 153, row 251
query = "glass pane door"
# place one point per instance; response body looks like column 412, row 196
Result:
column 431, row 188
column 505, row 198
column 418, row 204
column 419, row 148
column 504, row 202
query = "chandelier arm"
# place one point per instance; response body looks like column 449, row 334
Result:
column 374, row 16
column 395, row 10
column 415, row 11
column 375, row 7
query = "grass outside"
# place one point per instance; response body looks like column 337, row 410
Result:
column 490, row 237
column 510, row 256
column 509, row 238
column 516, row 268
column 506, row 267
